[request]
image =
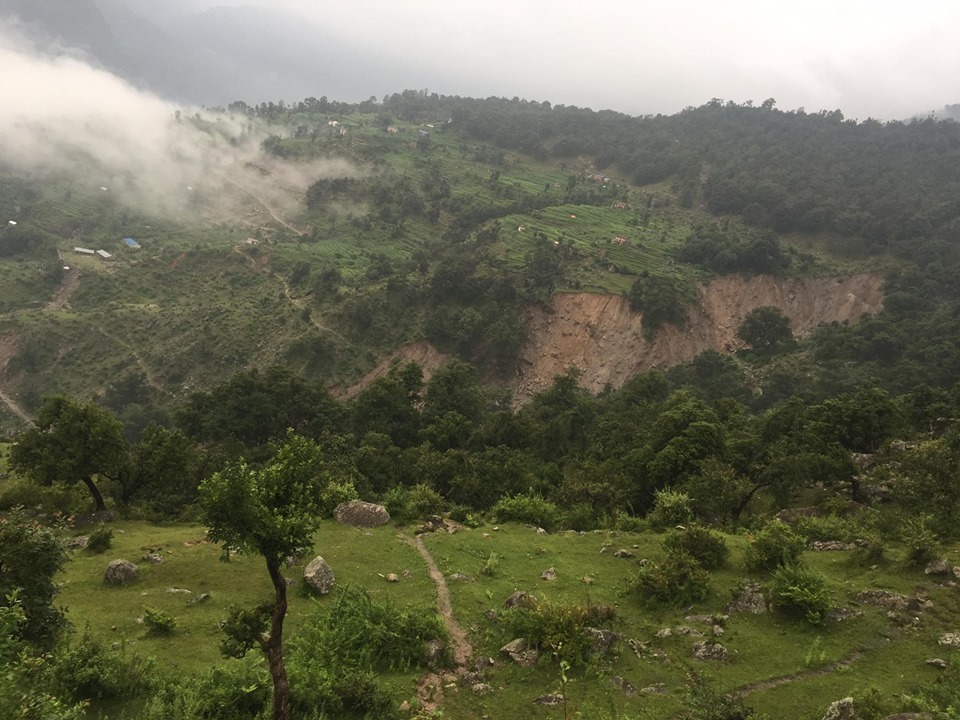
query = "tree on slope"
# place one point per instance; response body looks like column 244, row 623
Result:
column 274, row 511
column 70, row 442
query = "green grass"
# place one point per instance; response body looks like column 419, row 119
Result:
column 762, row 647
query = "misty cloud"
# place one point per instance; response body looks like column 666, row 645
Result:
column 61, row 114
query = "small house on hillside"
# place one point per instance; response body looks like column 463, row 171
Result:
column 620, row 240
column 132, row 243
column 104, row 255
column 83, row 251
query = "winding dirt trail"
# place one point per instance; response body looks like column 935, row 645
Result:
column 8, row 348
column 68, row 286
column 288, row 294
column 745, row 690
column 462, row 649
column 266, row 206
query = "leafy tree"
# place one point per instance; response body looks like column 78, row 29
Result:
column 70, row 442
column 30, row 557
column 273, row 511
column 662, row 300
column 765, row 328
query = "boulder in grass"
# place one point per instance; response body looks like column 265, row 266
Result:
column 120, row 572
column 358, row 513
column 319, row 575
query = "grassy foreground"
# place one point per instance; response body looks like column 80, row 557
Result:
column 820, row 663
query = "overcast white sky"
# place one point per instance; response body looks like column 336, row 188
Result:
column 869, row 58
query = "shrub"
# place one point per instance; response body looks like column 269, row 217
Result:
column 775, row 544
column 707, row 548
column 670, row 508
column 84, row 670
column 558, row 628
column 920, row 540
column 628, row 523
column 490, row 566
column 678, row 579
column 335, row 493
column 530, row 508
column 800, row 590
column 829, row 527
column 407, row 505
column 100, row 539
column 158, row 622
column 237, row 690
column 869, row 551
column 705, row 701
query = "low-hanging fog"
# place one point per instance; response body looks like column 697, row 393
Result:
column 61, row 114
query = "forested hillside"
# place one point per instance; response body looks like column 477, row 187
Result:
column 624, row 326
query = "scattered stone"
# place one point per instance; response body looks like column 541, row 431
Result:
column 514, row 646
column 623, row 553
column 748, row 600
column 405, row 706
column 406, row 574
column 717, row 630
column 483, row 664
column 197, row 599
column 625, row 686
column 841, row 710
column 541, row 531
column 655, row 689
column 549, row 699
column 586, row 580
column 433, row 651
column 950, row 640
column 357, row 513
column 710, row 650
column 153, row 559
column 179, row 591
column 527, row 658
column 684, row 630
column 639, row 649
column 120, row 572
column 460, row 577
column 392, row 578
column 481, row 689
column 491, row 615
column 938, row 567
column 830, row 546
column 319, row 575
column 291, row 582
column 888, row 600
column 520, row 598
column 841, row 614
column 549, row 574
column 938, row 663
column 602, row 640
column 76, row 543
column 664, row 633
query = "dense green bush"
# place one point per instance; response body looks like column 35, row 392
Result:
column 826, row 527
column 85, row 670
column 920, row 540
column 706, row 547
column 558, row 628
column 530, row 508
column 678, row 579
column 670, row 508
column 100, row 539
column 407, row 505
column 775, row 544
column 158, row 622
column 797, row 589
column 236, row 690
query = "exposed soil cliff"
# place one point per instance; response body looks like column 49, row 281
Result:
column 603, row 337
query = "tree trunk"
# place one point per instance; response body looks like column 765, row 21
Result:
column 274, row 646
column 97, row 497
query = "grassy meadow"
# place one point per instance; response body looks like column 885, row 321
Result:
column 485, row 565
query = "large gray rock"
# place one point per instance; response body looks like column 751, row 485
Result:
column 358, row 513
column 841, row 710
column 710, row 650
column 319, row 575
column 120, row 572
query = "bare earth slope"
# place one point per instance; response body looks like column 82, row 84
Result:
column 603, row 337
